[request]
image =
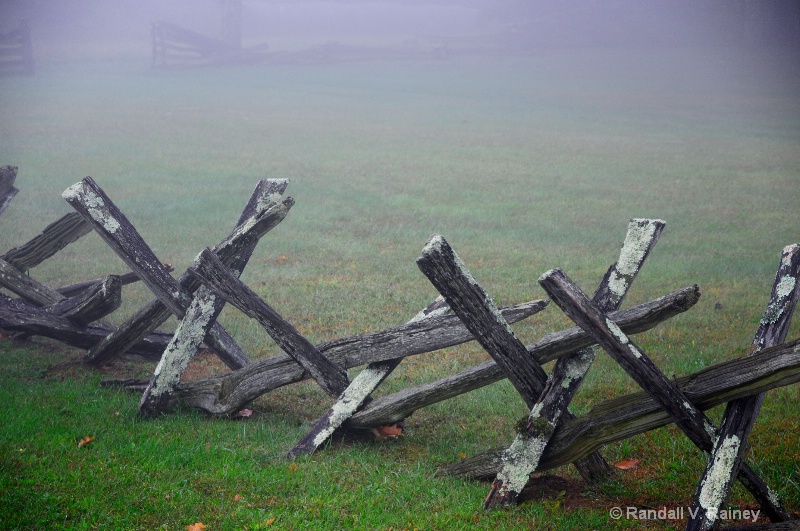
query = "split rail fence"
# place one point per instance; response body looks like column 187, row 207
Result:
column 552, row 436
column 16, row 51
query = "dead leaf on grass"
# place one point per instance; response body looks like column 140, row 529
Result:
column 387, row 432
column 630, row 464
column 197, row 526
column 85, row 441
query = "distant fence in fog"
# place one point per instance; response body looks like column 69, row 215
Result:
column 16, row 52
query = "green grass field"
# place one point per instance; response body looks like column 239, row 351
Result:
column 522, row 163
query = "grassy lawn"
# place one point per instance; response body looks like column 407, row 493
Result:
column 522, row 163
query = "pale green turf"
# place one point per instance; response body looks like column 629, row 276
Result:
column 523, row 164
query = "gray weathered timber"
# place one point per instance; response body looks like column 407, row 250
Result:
column 522, row 457
column 227, row 394
column 359, row 390
column 625, row 416
column 691, row 420
column 8, row 174
column 202, row 312
column 92, row 304
column 730, row 446
column 156, row 312
column 26, row 287
column 53, row 238
column 126, row 278
column 330, row 377
column 18, row 317
column 479, row 314
column 400, row 405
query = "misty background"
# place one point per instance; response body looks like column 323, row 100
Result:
column 74, row 29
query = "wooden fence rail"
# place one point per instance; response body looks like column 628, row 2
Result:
column 551, row 435
column 16, row 52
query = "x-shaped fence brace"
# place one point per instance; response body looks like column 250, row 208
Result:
column 551, row 436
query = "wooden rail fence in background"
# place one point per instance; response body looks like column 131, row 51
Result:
column 551, row 436
column 16, row 51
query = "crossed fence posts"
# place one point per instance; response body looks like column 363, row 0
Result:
column 551, row 435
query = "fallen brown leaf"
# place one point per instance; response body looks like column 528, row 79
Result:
column 630, row 464
column 387, row 432
column 85, row 441
column 197, row 526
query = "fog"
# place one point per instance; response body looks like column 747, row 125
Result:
column 102, row 29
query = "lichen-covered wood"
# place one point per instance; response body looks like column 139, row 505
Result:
column 26, row 287
column 479, row 314
column 522, row 457
column 203, row 311
column 124, row 279
column 227, row 394
column 18, row 317
column 156, row 312
column 628, row 415
column 397, row 406
column 359, row 390
column 330, row 377
column 691, row 420
column 730, row 446
column 93, row 303
column 65, row 230
column 8, row 175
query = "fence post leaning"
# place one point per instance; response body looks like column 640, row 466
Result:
column 730, row 447
column 692, row 421
column 525, row 452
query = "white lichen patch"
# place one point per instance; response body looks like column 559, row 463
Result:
column 266, row 202
column 788, row 251
column 637, row 242
column 577, row 367
column 710, row 430
column 617, row 331
column 520, row 460
column 785, row 286
column 443, row 310
column 349, row 401
column 95, row 206
column 188, row 336
column 773, row 497
column 717, row 480
column 783, row 289
column 536, row 411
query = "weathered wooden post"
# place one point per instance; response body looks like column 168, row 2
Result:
column 479, row 314
column 402, row 404
column 357, row 393
column 730, row 446
column 150, row 316
column 204, row 310
column 523, row 456
column 692, row 421
column 217, row 277
column 8, row 175
column 628, row 415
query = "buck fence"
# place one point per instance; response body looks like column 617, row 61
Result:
column 551, row 436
